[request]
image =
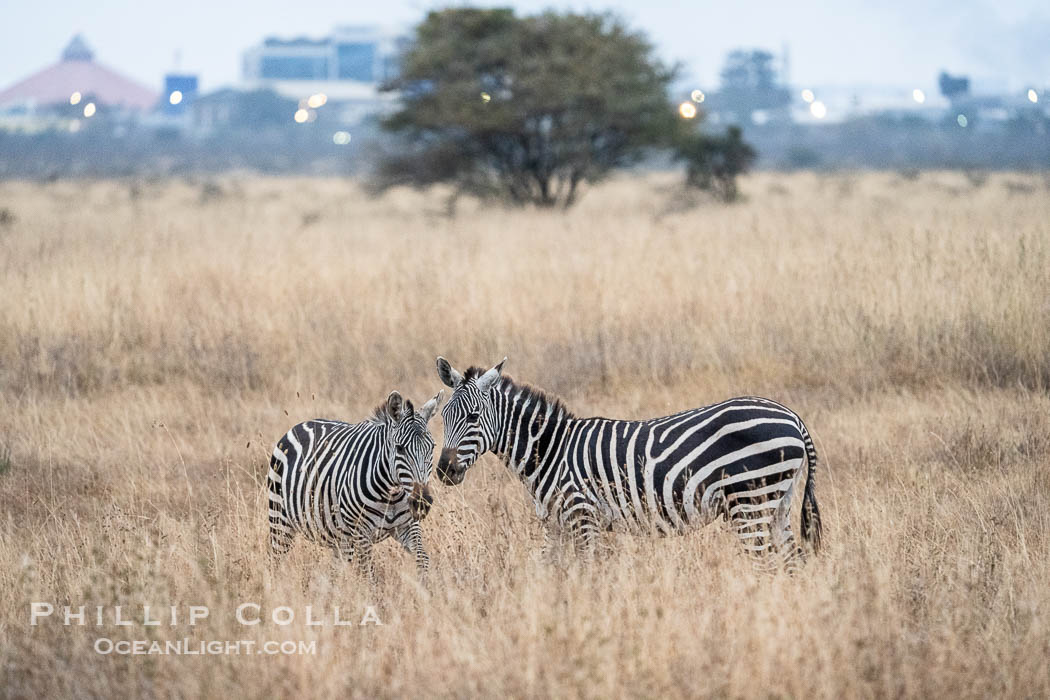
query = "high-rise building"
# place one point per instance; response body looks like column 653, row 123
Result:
column 348, row 67
column 352, row 55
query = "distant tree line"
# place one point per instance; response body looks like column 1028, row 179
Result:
column 532, row 110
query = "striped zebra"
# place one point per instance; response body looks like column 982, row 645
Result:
column 739, row 459
column 351, row 485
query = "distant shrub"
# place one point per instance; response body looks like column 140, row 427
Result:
column 211, row 191
column 1018, row 187
column 976, row 178
column 713, row 162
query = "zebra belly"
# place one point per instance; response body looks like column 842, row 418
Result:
column 398, row 515
column 751, row 468
column 378, row 520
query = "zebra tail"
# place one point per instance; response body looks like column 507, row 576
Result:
column 812, row 529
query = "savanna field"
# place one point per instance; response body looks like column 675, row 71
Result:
column 157, row 337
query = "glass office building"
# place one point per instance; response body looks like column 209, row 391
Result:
column 358, row 54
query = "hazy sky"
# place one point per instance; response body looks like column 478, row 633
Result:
column 892, row 42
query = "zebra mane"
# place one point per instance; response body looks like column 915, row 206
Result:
column 381, row 417
column 526, row 390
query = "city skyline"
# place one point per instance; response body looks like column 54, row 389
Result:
column 861, row 43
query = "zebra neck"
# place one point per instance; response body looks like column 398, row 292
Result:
column 385, row 472
column 530, row 433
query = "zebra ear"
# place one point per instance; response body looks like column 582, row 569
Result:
column 449, row 376
column 486, row 380
column 394, row 405
column 431, row 407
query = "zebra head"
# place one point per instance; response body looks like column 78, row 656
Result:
column 410, row 449
column 470, row 419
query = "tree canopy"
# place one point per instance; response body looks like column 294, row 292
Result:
column 526, row 108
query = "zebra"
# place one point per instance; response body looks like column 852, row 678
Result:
column 739, row 459
column 351, row 485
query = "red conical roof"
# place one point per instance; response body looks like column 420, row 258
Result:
column 78, row 72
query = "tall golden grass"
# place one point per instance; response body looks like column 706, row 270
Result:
column 157, row 337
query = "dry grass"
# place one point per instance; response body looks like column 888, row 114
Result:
column 150, row 331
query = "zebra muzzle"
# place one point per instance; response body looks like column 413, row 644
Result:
column 419, row 501
column 449, row 469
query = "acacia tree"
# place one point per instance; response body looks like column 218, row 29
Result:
column 525, row 108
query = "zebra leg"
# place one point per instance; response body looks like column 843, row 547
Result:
column 761, row 520
column 411, row 538
column 751, row 520
column 281, row 531
column 558, row 542
column 362, row 543
column 788, row 553
column 579, row 518
column 281, row 534
column 554, row 532
column 344, row 550
column 552, row 540
column 754, row 536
